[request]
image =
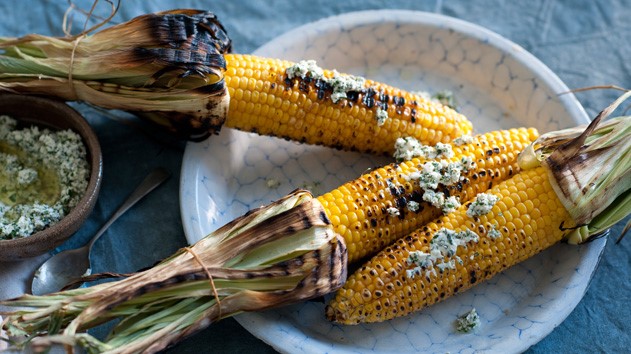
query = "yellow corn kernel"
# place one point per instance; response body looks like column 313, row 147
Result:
column 349, row 124
column 499, row 245
column 374, row 192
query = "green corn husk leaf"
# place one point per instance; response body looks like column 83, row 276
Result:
column 590, row 170
column 167, row 67
column 175, row 298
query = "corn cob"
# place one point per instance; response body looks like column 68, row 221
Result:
column 527, row 217
column 265, row 99
column 573, row 188
column 172, row 68
column 375, row 209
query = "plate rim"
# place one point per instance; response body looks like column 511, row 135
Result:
column 515, row 51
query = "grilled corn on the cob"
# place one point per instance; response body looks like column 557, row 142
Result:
column 388, row 203
column 301, row 102
column 172, row 68
column 455, row 252
column 553, row 199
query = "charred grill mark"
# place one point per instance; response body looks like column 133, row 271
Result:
column 369, row 97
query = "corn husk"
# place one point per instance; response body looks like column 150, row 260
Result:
column 280, row 254
column 166, row 66
column 590, row 170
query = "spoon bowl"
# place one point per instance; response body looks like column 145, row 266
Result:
column 71, row 265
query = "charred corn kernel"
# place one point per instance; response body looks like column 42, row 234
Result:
column 311, row 111
column 452, row 253
column 390, row 201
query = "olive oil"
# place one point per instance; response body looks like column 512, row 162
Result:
column 45, row 189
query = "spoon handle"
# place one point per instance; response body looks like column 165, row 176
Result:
column 153, row 180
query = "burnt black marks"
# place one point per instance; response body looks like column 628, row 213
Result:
column 324, row 218
column 369, row 97
column 473, row 277
column 413, row 115
column 398, row 101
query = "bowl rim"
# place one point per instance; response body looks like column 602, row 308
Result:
column 59, row 232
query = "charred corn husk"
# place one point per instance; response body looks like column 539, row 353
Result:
column 390, row 202
column 509, row 223
column 276, row 255
column 170, row 68
column 302, row 102
column 166, row 66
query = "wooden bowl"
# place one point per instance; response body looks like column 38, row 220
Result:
column 53, row 114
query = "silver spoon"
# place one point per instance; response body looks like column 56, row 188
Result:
column 70, row 265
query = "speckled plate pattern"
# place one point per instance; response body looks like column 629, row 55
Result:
column 497, row 85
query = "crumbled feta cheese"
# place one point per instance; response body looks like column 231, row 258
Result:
column 494, row 233
column 393, row 211
column 450, row 205
column 451, row 174
column 463, row 139
column 446, row 98
column 381, row 115
column 272, row 183
column 482, row 204
column 61, row 153
column 451, row 264
column 407, row 148
column 445, row 243
column 27, row 176
column 443, row 150
column 437, row 199
column 468, row 322
column 434, row 198
column 467, row 163
column 413, row 206
column 340, row 84
column 305, row 68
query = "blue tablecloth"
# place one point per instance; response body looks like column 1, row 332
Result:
column 584, row 42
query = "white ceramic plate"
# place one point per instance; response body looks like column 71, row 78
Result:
column 498, row 85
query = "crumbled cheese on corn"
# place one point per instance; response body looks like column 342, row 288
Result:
column 437, row 199
column 445, row 243
column 468, row 322
column 341, row 84
column 494, row 233
column 413, row 206
column 482, row 204
column 463, row 139
column 393, row 211
column 381, row 115
column 407, row 148
column 305, row 68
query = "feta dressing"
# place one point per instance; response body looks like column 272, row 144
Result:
column 43, row 175
column 381, row 115
column 407, row 148
column 413, row 206
column 393, row 211
column 438, row 200
column 445, row 243
column 340, row 84
column 463, row 139
column 494, row 233
column 468, row 322
column 482, row 204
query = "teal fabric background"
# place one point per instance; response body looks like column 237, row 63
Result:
column 584, row 42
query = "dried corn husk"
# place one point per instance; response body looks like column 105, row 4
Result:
column 283, row 253
column 590, row 170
